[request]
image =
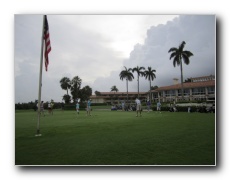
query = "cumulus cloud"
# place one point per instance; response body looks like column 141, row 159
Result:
column 198, row 31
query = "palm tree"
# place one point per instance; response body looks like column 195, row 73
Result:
column 75, row 86
column 128, row 75
column 178, row 54
column 139, row 73
column 114, row 89
column 150, row 75
column 65, row 84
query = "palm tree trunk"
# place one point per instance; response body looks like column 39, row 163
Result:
column 127, row 89
column 150, row 92
column 114, row 96
column 138, row 85
column 182, row 85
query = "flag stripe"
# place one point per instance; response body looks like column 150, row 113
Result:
column 47, row 43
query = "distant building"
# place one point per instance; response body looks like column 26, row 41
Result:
column 117, row 97
column 203, row 78
column 200, row 88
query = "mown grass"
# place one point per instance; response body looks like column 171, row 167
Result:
column 115, row 138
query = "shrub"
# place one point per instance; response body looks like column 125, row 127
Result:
column 179, row 108
column 72, row 106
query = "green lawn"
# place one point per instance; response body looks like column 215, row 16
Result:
column 115, row 138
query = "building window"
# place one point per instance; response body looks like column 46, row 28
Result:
column 198, row 91
column 186, row 92
column 179, row 92
column 211, row 90
column 169, row 93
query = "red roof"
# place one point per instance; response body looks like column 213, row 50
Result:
column 188, row 85
column 120, row 93
column 97, row 97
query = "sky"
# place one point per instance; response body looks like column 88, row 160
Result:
column 97, row 47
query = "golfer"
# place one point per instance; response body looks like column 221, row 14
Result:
column 88, row 109
column 51, row 107
column 138, row 106
column 41, row 108
column 158, row 106
column 148, row 105
column 77, row 107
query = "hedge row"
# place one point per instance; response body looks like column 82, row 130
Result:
column 32, row 105
column 184, row 109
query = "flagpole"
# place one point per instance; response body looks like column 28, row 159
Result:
column 40, row 80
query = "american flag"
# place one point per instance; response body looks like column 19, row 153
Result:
column 47, row 43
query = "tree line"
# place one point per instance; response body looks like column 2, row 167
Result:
column 127, row 74
column 33, row 105
column 177, row 54
column 74, row 86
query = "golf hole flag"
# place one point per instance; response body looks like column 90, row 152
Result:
column 47, row 43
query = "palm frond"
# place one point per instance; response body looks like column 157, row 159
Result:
column 149, row 74
column 173, row 55
column 186, row 59
column 181, row 47
column 126, row 74
column 172, row 49
column 188, row 53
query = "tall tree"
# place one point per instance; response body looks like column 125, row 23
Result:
column 65, row 84
column 114, row 89
column 140, row 72
column 66, row 98
column 85, row 93
column 75, row 87
column 128, row 76
column 150, row 75
column 178, row 54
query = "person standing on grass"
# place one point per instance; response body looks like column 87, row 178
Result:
column 41, row 108
column 148, row 105
column 189, row 109
column 138, row 106
column 49, row 108
column 77, row 107
column 88, row 108
column 158, row 106
column 123, row 105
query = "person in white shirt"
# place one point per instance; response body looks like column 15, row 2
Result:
column 49, row 108
column 41, row 108
column 158, row 106
column 138, row 107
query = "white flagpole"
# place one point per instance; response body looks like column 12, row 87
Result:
column 40, row 80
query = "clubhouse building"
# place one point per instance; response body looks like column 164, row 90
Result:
column 197, row 89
